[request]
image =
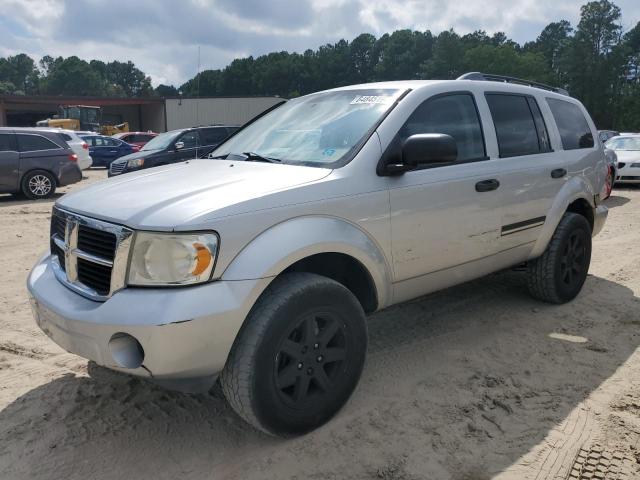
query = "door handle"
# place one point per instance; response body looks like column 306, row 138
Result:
column 558, row 173
column 487, row 185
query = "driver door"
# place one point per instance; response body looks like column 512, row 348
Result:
column 445, row 215
column 190, row 141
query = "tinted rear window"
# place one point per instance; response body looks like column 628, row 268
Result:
column 7, row 142
column 33, row 143
column 515, row 125
column 574, row 129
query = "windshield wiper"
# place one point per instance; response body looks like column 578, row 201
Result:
column 256, row 157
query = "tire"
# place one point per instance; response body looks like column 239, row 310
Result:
column 38, row 184
column 298, row 356
column 559, row 274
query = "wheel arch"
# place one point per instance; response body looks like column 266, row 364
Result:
column 328, row 246
column 576, row 196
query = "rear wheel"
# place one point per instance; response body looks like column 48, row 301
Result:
column 38, row 184
column 298, row 357
column 558, row 275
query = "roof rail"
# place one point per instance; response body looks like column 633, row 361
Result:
column 489, row 77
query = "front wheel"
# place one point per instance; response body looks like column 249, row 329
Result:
column 38, row 184
column 298, row 356
column 558, row 275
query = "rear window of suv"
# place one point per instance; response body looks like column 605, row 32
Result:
column 573, row 127
column 34, row 143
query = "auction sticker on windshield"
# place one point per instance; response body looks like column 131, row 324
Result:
column 369, row 99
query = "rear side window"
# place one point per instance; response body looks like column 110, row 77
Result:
column 34, row 143
column 67, row 138
column 212, row 136
column 7, row 143
column 454, row 115
column 573, row 127
column 516, row 127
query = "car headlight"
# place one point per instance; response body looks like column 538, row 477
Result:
column 172, row 258
column 135, row 163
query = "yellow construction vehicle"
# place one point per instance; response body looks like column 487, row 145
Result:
column 82, row 117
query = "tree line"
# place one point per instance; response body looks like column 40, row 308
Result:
column 596, row 60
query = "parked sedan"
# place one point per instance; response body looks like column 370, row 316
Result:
column 627, row 149
column 139, row 139
column 105, row 150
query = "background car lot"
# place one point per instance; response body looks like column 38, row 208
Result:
column 465, row 383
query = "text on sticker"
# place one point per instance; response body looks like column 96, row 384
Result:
column 380, row 99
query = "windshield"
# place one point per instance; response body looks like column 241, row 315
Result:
column 628, row 143
column 317, row 130
column 162, row 141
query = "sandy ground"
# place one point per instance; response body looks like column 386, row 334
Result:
column 476, row 382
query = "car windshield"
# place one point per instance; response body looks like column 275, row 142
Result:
column 317, row 130
column 628, row 143
column 162, row 141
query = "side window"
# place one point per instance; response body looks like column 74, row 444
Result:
column 34, row 143
column 454, row 115
column 7, row 142
column 111, row 142
column 67, row 138
column 212, row 136
column 574, row 129
column 98, row 142
column 515, row 125
column 190, row 139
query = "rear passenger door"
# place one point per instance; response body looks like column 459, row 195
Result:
column 531, row 174
column 9, row 163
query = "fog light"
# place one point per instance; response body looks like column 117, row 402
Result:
column 126, row 350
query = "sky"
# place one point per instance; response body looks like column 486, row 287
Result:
column 162, row 36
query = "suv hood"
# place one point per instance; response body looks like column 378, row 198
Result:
column 165, row 197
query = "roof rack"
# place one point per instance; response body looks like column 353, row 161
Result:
column 505, row 79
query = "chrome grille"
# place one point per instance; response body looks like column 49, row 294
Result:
column 90, row 256
column 117, row 167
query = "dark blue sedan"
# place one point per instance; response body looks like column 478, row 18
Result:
column 104, row 150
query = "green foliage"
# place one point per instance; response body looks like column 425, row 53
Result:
column 597, row 62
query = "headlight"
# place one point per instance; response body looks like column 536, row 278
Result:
column 172, row 258
column 135, row 163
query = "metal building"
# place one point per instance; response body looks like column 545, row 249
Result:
column 154, row 113
column 189, row 112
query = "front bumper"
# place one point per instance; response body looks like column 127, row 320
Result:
column 186, row 333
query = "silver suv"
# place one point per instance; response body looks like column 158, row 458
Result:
column 258, row 266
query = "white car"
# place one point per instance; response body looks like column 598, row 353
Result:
column 77, row 144
column 627, row 149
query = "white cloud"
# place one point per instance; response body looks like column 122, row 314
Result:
column 162, row 36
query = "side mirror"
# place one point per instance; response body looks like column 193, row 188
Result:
column 179, row 145
column 426, row 148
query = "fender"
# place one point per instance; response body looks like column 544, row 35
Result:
column 574, row 189
column 275, row 249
